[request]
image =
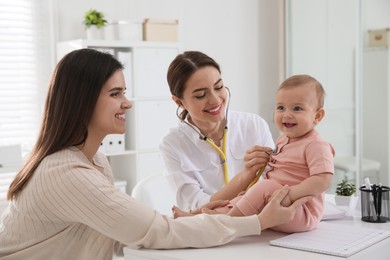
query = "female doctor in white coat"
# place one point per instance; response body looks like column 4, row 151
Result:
column 214, row 153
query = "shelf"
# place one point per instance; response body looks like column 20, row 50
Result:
column 131, row 152
column 127, row 152
column 150, row 98
column 119, row 44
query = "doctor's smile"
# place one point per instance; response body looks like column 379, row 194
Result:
column 214, row 111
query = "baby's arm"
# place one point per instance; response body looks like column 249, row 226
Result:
column 319, row 158
column 311, row 186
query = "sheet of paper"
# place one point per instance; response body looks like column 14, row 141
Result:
column 333, row 239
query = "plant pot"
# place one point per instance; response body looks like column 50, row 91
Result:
column 347, row 201
column 94, row 33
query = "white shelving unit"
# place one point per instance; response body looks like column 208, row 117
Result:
column 376, row 108
column 153, row 111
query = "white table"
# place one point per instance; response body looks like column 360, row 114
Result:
column 258, row 247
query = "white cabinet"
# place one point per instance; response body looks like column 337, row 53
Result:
column 153, row 111
column 376, row 108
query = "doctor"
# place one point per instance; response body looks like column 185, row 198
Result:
column 214, row 153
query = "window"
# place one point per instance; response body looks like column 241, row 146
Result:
column 25, row 66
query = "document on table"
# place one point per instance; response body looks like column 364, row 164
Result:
column 333, row 239
column 333, row 212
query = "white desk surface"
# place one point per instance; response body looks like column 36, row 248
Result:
column 258, row 247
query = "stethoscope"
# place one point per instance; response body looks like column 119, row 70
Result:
column 221, row 151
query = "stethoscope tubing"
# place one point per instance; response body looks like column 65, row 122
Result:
column 221, row 152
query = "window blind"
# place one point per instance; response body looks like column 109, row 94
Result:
column 25, row 64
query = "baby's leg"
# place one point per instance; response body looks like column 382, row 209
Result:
column 257, row 197
column 304, row 220
column 180, row 213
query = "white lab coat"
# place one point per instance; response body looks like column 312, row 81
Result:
column 194, row 167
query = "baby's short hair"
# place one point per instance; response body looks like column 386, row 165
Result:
column 298, row 80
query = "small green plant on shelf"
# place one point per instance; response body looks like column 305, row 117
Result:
column 345, row 188
column 93, row 17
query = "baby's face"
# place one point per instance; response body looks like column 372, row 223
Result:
column 296, row 110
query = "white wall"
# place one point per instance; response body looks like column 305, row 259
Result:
column 233, row 32
column 271, row 57
column 245, row 37
column 326, row 50
column 375, row 89
column 376, row 14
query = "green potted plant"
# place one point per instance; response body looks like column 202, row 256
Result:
column 345, row 188
column 94, row 23
column 345, row 194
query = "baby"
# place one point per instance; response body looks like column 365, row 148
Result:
column 302, row 160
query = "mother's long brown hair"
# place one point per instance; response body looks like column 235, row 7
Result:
column 73, row 92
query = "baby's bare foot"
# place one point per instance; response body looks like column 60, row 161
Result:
column 180, row 213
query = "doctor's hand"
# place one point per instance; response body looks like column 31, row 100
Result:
column 211, row 206
column 256, row 158
column 275, row 214
column 206, row 208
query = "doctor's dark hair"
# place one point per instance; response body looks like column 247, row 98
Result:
column 182, row 68
column 70, row 102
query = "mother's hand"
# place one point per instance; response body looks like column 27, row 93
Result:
column 275, row 214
